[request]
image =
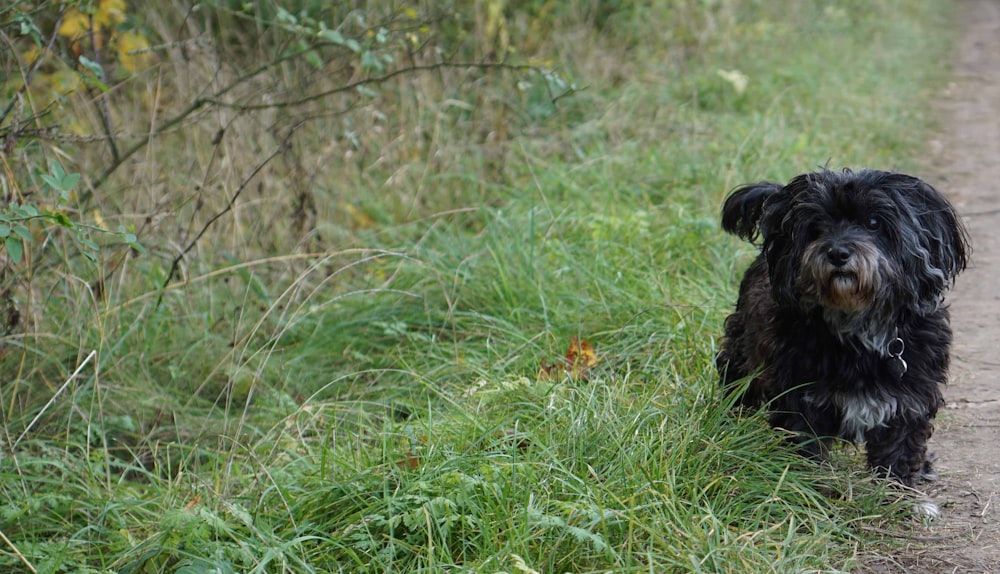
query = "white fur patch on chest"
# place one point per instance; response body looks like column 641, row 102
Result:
column 861, row 412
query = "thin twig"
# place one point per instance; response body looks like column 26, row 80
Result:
column 53, row 399
column 26, row 78
column 17, row 553
column 373, row 80
column 216, row 100
column 180, row 117
column 103, row 107
column 229, row 206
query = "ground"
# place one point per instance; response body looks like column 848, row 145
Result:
column 966, row 165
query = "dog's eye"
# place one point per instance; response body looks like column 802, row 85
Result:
column 872, row 224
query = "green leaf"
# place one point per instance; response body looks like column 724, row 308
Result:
column 332, row 36
column 370, row 61
column 366, row 91
column 24, row 211
column 58, row 179
column 4, row 230
column 23, row 231
column 133, row 242
column 50, row 181
column 15, row 250
column 69, row 182
column 313, row 59
column 311, row 56
column 286, row 17
column 62, row 183
column 95, row 83
column 61, row 219
column 93, row 67
column 95, row 78
column 89, row 245
column 56, row 169
column 29, row 28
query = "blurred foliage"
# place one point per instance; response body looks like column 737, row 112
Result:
column 75, row 67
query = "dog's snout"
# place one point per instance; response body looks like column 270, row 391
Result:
column 838, row 255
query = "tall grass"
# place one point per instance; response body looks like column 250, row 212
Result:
column 346, row 373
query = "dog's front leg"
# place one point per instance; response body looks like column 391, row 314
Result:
column 811, row 429
column 899, row 450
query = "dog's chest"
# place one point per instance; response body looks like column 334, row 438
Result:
column 860, row 411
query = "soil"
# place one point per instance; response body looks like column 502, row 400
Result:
column 965, row 163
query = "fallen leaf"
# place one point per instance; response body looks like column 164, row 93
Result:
column 411, row 462
column 581, row 353
column 193, row 502
column 580, row 357
column 547, row 372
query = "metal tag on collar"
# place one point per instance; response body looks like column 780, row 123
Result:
column 895, row 350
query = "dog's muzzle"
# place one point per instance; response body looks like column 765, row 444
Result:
column 841, row 275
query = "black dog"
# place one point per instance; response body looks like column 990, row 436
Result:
column 840, row 321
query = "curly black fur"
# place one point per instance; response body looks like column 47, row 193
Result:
column 840, row 323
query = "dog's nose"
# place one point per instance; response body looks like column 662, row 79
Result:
column 838, row 255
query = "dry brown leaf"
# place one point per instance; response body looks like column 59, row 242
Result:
column 580, row 357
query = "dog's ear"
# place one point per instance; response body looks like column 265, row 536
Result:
column 742, row 210
column 758, row 210
column 947, row 240
column 933, row 233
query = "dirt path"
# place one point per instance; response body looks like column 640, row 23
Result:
column 966, row 538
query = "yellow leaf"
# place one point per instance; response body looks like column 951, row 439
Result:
column 109, row 13
column 133, row 51
column 99, row 221
column 581, row 353
column 359, row 219
column 65, row 81
column 32, row 54
column 74, row 25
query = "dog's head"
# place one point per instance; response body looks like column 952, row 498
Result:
column 853, row 242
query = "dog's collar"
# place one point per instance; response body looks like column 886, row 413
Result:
column 894, row 349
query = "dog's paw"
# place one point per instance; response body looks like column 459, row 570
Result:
column 927, row 472
column 926, row 509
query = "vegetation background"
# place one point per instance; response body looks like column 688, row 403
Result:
column 417, row 286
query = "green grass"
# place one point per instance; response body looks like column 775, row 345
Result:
column 365, row 396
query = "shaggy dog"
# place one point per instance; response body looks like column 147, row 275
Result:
column 840, row 324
